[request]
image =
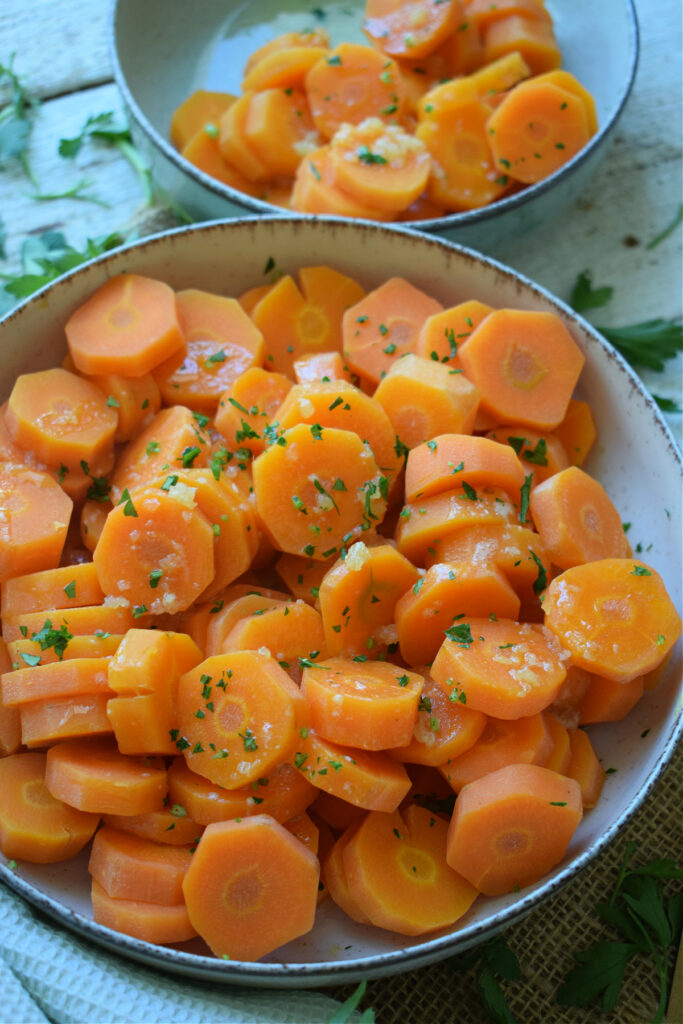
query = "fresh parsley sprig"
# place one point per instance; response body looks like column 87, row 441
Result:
column 345, row 1012
column 489, row 960
column 16, row 119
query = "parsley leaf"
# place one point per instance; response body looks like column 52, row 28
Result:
column 584, row 296
column 648, row 343
column 345, row 1012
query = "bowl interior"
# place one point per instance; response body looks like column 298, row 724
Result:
column 167, row 48
column 634, row 445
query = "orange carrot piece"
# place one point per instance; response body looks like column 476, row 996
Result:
column 565, row 80
column 444, row 729
column 614, row 616
column 314, row 191
column 92, row 775
column 577, row 432
column 130, row 868
column 252, row 296
column 451, row 458
column 305, row 830
column 34, row 825
column 484, row 13
column 61, row 417
column 336, row 881
column 136, row 401
column 384, row 326
column 506, row 669
column 309, row 37
column 233, row 144
column 70, row 586
column 607, row 701
column 149, row 922
column 372, row 706
column 533, row 38
column 36, row 514
column 303, row 576
column 235, row 607
column 460, row 54
column 443, row 335
column 10, row 724
column 170, row 826
column 352, row 83
column 152, row 533
column 286, row 68
column 542, row 452
column 279, row 129
column 521, row 741
column 560, row 756
column 44, row 722
column 289, row 631
column 512, row 827
column 297, row 491
column 500, row 75
column 201, row 109
column 536, row 129
column 566, row 704
column 585, row 768
column 88, row 621
column 336, row 812
column 247, row 407
column 410, row 30
column 11, row 452
column 364, row 778
column 71, row 678
column 320, row 367
column 526, row 365
column 203, row 152
column 128, row 326
column 251, row 887
column 282, row 793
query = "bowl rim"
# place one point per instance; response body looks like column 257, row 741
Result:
column 451, row 221
column 304, row 974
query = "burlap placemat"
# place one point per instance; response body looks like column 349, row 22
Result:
column 545, row 940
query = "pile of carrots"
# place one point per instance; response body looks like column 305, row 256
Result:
column 453, row 105
column 307, row 595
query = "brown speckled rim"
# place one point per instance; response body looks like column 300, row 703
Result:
column 433, row 224
column 302, row 975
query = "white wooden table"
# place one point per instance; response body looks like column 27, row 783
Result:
column 61, row 53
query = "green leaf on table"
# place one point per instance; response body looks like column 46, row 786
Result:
column 584, row 296
column 491, row 958
column 99, row 126
column 600, row 971
column 16, row 118
column 344, row 1012
column 647, row 344
column 77, row 191
column 668, row 230
column 14, row 135
column 667, row 404
column 500, row 958
column 493, row 999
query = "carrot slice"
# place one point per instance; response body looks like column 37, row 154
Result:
column 337, row 814
column 235, row 607
column 157, row 532
column 301, row 506
column 506, row 669
column 303, row 576
column 364, row 778
column 351, row 83
column 485, row 13
column 320, row 367
column 577, row 431
column 251, row 887
column 314, row 191
column 566, row 704
column 201, row 109
column 542, row 451
column 247, row 407
column 237, row 715
column 10, row 724
column 203, row 152
column 284, row 68
column 130, row 868
column 309, row 37
column 334, row 874
column 88, row 621
column 61, row 417
column 614, row 616
column 150, row 922
column 533, row 38
column 443, row 335
column 70, row 586
column 500, row 75
column 305, row 830
column 520, row 741
column 92, row 774
column 233, row 144
column 170, row 826
column 57, row 679
column 536, row 130
column 512, row 827
column 607, row 701
column 444, row 729
column 384, row 326
column 565, row 80
column 410, row 30
column 526, row 365
column 128, row 326
column 560, row 755
column 34, row 825
column 379, row 165
column 282, row 793
column 433, row 468
column 585, row 768
column 280, row 130
column 372, row 706
column 35, row 520
column 288, row 631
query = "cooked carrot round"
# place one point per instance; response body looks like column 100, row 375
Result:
column 444, row 729
column 130, row 868
column 35, row 519
column 502, row 742
column 150, row 922
column 410, row 30
column 449, row 459
column 92, row 775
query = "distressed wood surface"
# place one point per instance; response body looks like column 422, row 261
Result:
column 633, row 196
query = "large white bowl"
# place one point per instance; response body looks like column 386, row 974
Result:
column 635, row 458
column 162, row 50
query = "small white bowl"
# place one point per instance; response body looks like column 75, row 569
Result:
column 636, row 459
column 162, row 50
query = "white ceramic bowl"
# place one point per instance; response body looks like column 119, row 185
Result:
column 162, row 50
column 635, row 458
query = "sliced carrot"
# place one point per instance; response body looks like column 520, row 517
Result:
column 130, row 868
column 305, row 830
column 88, row 621
column 410, row 30
column 282, row 793
column 320, row 367
column 484, row 13
column 462, row 53
column 128, row 326
column 565, row 80
column 512, row 827
column 171, row 438
column 300, row 504
column 505, row 669
column 365, row 778
column 566, row 704
column 358, row 598
column 334, row 874
column 61, row 417
column 309, row 37
column 233, row 144
column 372, row 706
column 422, row 209
column 203, row 152
column 521, row 741
column 352, row 83
column 247, row 407
column 10, row 724
column 280, row 130
column 285, row 68
column 170, row 826
column 533, row 38
column 444, row 729
column 440, row 598
column 585, row 768
column 303, row 576
column 379, row 165
column 92, row 520
column 543, row 452
column 500, row 75
column 34, row 523
column 614, row 616
column 91, row 774
column 251, row 887
column 577, row 431
column 560, row 755
column 336, row 812
column 54, row 645
column 451, row 458
column 234, row 608
column 453, row 126
column 135, row 399
column 384, row 326
column 70, row 586
column 443, row 335
column 201, row 108
column 607, row 701
column 237, row 714
column 526, row 365
column 248, row 299
column 576, row 519
column 314, row 191
column 156, row 532
column 150, row 922
column 70, row 678
column 34, row 825
column 44, row 722
column 536, row 129
column 78, row 483
column 289, row 631
column 11, row 452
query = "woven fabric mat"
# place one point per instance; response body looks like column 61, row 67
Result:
column 545, row 939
